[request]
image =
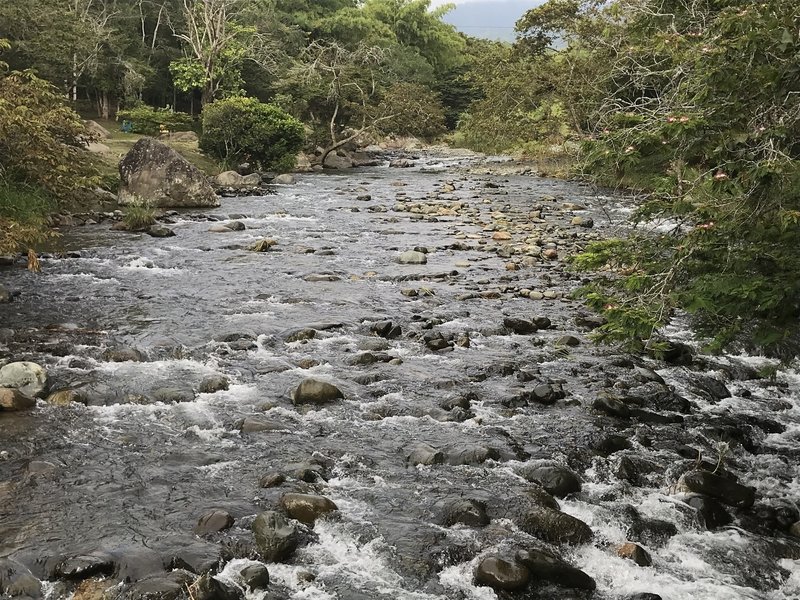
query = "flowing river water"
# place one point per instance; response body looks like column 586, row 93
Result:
column 138, row 324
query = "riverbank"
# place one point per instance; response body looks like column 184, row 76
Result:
column 475, row 419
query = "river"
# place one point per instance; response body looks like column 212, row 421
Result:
column 138, row 324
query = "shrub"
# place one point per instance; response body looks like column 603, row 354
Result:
column 23, row 217
column 148, row 120
column 139, row 216
column 246, row 130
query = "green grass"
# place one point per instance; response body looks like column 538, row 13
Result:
column 139, row 216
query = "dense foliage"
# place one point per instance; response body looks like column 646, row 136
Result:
column 150, row 121
column 246, row 130
column 696, row 106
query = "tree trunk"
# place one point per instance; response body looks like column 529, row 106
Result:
column 103, row 105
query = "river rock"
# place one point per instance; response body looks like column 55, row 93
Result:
column 501, row 574
column 546, row 566
column 207, row 587
column 213, row 522
column 156, row 174
column 612, row 406
column 123, row 354
column 83, row 566
column 636, row 553
column 276, row 538
column 160, row 587
column 554, row 526
column 307, row 508
column 213, row 384
column 284, row 179
column 712, row 514
column 159, row 231
column 423, row 454
column 258, row 423
column 723, row 489
column 173, row 394
column 14, row 400
column 27, row 377
column 520, row 326
column 232, row 179
column 313, row 391
column 5, row 295
column 412, row 257
column 557, row 480
column 64, row 398
column 255, row 576
column 17, row 581
column 198, row 558
column 471, row 513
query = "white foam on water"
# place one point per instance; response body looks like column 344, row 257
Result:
column 132, row 369
column 84, row 277
column 459, row 577
column 146, row 265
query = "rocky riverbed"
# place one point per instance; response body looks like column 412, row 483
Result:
column 393, row 398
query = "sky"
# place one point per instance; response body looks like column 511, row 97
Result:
column 492, row 19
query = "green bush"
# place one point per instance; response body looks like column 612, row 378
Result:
column 23, row 216
column 148, row 120
column 139, row 216
column 246, row 130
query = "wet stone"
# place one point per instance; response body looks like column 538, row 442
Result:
column 272, row 480
column 520, row 326
column 313, row 391
column 471, row 513
column 255, row 576
column 83, row 566
column 276, row 538
column 173, row 395
column 712, row 514
column 557, row 480
column 555, row 527
column 545, row 566
column 211, row 385
column 423, row 454
column 213, row 522
column 613, row 407
column 412, row 257
column 723, row 489
column 307, row 508
column 501, row 574
column 14, row 400
column 198, row 558
column 636, row 553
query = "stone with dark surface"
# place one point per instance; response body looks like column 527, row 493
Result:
column 307, row 508
column 423, row 454
column 214, row 521
column 711, row 513
column 213, row 384
column 546, row 566
column 554, row 526
column 154, row 174
column 558, row 480
column 255, row 576
column 276, row 538
column 501, row 574
column 17, row 581
column 520, row 326
column 723, row 489
column 313, row 391
column 471, row 513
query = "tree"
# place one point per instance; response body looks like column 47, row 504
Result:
column 218, row 40
column 702, row 114
column 244, row 129
column 348, row 78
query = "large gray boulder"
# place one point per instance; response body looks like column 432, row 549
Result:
column 153, row 173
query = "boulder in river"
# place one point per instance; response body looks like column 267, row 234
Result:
column 554, row 526
column 558, row 480
column 502, row 574
column 636, row 553
column 314, row 391
column 255, row 576
column 723, row 489
column 412, row 257
column 471, row 513
column 307, row 508
column 232, row 179
column 13, row 400
column 154, row 174
column 276, row 538
column 546, row 566
column 27, row 377
column 284, row 179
